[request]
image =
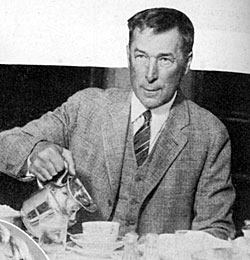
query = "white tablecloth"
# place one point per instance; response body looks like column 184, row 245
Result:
column 70, row 255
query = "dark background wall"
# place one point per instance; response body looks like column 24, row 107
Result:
column 227, row 95
column 27, row 92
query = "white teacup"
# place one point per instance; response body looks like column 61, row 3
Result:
column 100, row 231
column 246, row 233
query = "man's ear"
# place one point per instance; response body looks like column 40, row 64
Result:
column 189, row 61
column 128, row 54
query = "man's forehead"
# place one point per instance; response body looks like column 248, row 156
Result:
column 153, row 31
column 147, row 36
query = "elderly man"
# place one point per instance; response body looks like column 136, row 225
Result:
column 151, row 159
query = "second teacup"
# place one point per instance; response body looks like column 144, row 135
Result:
column 100, row 231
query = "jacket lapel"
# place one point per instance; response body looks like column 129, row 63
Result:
column 169, row 145
column 114, row 132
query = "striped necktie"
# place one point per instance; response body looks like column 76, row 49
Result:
column 142, row 139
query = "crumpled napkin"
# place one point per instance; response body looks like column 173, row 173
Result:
column 241, row 247
column 193, row 245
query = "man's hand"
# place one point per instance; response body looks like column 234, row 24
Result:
column 48, row 159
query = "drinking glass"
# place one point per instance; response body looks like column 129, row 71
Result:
column 53, row 235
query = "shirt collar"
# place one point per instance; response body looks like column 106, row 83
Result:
column 137, row 108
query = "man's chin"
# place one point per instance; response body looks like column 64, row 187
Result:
column 151, row 103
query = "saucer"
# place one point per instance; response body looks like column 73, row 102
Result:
column 102, row 249
column 92, row 253
column 100, row 245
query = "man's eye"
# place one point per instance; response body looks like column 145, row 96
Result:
column 166, row 62
column 140, row 56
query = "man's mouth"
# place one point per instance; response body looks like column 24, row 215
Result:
column 150, row 92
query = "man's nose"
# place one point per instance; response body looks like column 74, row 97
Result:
column 152, row 71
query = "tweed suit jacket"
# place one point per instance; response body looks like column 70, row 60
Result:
column 188, row 183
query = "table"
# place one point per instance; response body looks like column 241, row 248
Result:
column 189, row 245
column 178, row 246
column 69, row 255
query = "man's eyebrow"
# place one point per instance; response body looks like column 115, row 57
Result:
column 169, row 54
column 161, row 54
column 136, row 49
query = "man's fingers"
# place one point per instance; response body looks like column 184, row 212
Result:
column 50, row 160
column 67, row 155
column 58, row 163
column 39, row 177
column 46, row 163
column 41, row 173
column 43, row 166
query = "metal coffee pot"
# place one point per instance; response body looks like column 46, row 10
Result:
column 64, row 194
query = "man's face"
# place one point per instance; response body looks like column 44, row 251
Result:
column 157, row 65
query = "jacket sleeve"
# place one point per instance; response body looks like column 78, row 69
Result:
column 16, row 144
column 215, row 192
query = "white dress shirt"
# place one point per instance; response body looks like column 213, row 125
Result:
column 158, row 120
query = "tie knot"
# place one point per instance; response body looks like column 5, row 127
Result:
column 147, row 115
